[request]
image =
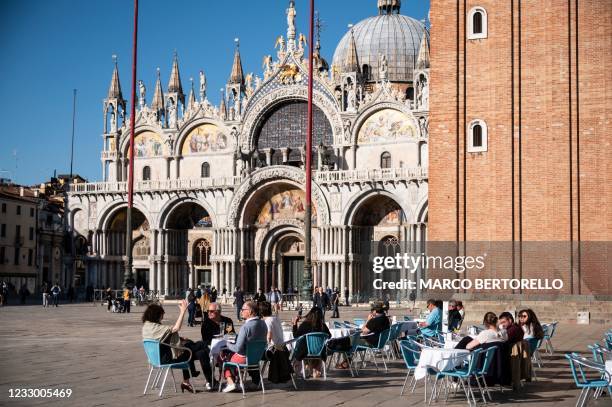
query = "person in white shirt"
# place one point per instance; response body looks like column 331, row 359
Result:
column 275, row 329
column 490, row 334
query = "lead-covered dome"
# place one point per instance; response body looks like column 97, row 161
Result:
column 390, row 33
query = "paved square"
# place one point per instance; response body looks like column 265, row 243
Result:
column 99, row 356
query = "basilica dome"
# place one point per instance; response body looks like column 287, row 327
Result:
column 396, row 36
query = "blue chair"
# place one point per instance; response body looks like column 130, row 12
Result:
column 407, row 318
column 410, row 354
column 463, row 375
column 534, row 346
column 369, row 350
column 608, row 340
column 394, row 336
column 254, row 354
column 481, row 372
column 152, row 349
column 548, row 334
column 580, row 371
column 346, row 355
column 315, row 345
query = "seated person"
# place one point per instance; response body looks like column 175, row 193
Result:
column 152, row 328
column 530, row 324
column 313, row 322
column 433, row 323
column 377, row 322
column 454, row 317
column 514, row 332
column 254, row 329
column 489, row 334
column 212, row 320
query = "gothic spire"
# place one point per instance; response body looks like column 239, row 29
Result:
column 158, row 96
column 423, row 58
column 114, row 90
column 191, row 100
column 237, row 75
column 174, row 85
column 222, row 107
column 351, row 64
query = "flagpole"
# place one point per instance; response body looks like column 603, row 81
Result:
column 128, row 279
column 307, row 278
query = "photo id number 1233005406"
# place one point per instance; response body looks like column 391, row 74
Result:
column 23, row 393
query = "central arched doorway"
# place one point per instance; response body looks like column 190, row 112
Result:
column 187, row 247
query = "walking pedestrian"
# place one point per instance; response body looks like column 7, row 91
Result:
column 238, row 301
column 45, row 295
column 126, row 300
column 335, row 303
column 55, row 291
column 109, row 299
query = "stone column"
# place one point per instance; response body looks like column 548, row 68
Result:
column 242, row 274
column 228, row 272
column 342, row 278
column 330, row 274
column 353, row 157
column 258, row 264
column 265, row 276
column 351, row 282
column 177, row 161
column 232, row 283
column 323, row 266
column 337, row 275
column 214, row 277
column 273, row 273
column 285, row 152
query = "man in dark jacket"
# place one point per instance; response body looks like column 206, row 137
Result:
column 454, row 317
column 514, row 331
column 320, row 300
column 238, row 302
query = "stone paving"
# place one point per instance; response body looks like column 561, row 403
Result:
column 99, row 356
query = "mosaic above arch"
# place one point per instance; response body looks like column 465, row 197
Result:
column 205, row 138
column 279, row 203
column 148, row 144
column 386, row 126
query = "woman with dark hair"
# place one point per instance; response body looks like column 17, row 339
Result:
column 152, row 328
column 489, row 334
column 313, row 322
column 530, row 324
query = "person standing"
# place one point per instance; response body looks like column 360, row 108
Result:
column 191, row 308
column 260, row 296
column 275, row 300
column 214, row 294
column 238, row 302
column 55, row 291
column 45, row 295
column 335, row 303
column 321, row 301
column 126, row 300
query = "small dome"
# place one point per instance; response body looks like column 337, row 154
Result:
column 395, row 35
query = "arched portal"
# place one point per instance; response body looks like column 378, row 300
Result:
column 115, row 235
column 379, row 229
column 187, row 247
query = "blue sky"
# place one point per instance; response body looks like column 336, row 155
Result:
column 50, row 47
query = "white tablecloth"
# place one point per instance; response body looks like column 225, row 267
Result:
column 216, row 346
column 339, row 332
column 609, row 368
column 431, row 356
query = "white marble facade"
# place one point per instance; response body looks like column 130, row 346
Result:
column 214, row 207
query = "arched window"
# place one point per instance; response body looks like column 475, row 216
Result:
column 365, row 70
column 477, row 136
column 385, row 160
column 477, row 23
column 205, row 170
column 146, row 173
column 201, row 253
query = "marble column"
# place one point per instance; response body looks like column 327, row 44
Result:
column 351, row 282
column 323, row 274
column 342, row 278
column 258, row 264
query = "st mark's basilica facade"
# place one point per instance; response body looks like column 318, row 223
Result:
column 219, row 190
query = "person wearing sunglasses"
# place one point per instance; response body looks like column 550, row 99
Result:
column 254, row 329
column 530, row 324
column 213, row 323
